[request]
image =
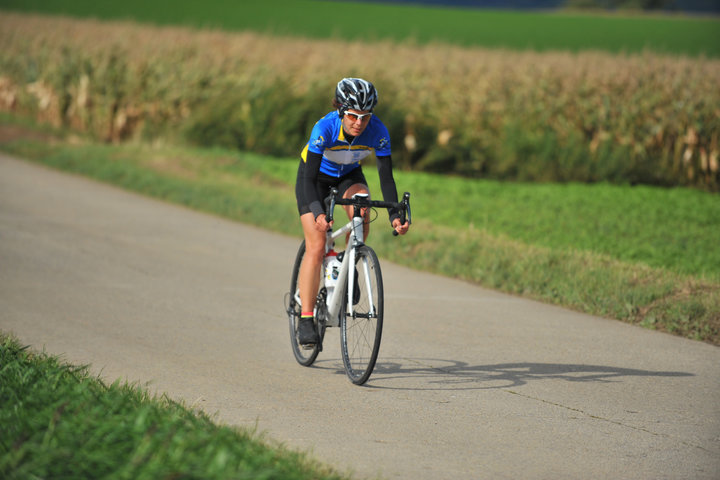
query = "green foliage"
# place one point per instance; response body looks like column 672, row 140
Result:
column 543, row 118
column 59, row 422
column 665, row 228
column 550, row 117
column 260, row 114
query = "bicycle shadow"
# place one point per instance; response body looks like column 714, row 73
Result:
column 438, row 374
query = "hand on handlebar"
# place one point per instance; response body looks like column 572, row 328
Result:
column 399, row 227
column 321, row 223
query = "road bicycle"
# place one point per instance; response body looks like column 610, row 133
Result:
column 358, row 315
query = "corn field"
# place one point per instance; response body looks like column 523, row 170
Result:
column 559, row 116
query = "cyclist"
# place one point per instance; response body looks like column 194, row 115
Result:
column 331, row 159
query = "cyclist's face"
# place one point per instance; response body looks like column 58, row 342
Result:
column 355, row 121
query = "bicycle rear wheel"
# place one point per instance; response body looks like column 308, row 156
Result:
column 304, row 356
column 361, row 331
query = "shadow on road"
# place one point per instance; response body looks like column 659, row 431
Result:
column 452, row 375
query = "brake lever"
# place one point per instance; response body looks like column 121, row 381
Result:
column 406, row 201
column 406, row 210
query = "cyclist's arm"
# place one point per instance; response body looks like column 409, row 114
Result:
column 312, row 168
column 387, row 184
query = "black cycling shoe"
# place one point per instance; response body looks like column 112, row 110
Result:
column 306, row 332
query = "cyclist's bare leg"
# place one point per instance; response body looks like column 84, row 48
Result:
column 352, row 190
column 309, row 278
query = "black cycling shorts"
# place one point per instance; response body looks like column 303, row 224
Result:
column 324, row 184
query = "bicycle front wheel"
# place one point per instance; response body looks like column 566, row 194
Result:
column 361, row 329
column 304, row 356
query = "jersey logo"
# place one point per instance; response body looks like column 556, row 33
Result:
column 383, row 143
column 319, row 142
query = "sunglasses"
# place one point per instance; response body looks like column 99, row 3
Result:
column 355, row 116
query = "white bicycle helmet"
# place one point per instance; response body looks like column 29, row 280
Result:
column 356, row 94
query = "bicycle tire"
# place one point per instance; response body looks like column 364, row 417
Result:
column 361, row 332
column 304, row 356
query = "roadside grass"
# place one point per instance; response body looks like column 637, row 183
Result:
column 642, row 255
column 670, row 228
column 59, row 422
column 541, row 31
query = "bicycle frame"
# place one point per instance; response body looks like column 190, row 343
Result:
column 345, row 282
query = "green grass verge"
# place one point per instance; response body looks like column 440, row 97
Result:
column 646, row 256
column 664, row 228
column 59, row 422
column 469, row 27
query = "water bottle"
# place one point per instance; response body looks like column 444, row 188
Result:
column 331, row 271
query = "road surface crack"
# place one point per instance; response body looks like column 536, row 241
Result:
column 608, row 420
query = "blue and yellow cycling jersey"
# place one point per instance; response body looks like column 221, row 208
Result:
column 339, row 156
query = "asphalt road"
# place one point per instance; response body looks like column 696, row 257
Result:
column 470, row 383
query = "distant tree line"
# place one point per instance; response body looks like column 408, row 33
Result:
column 710, row 6
column 621, row 4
